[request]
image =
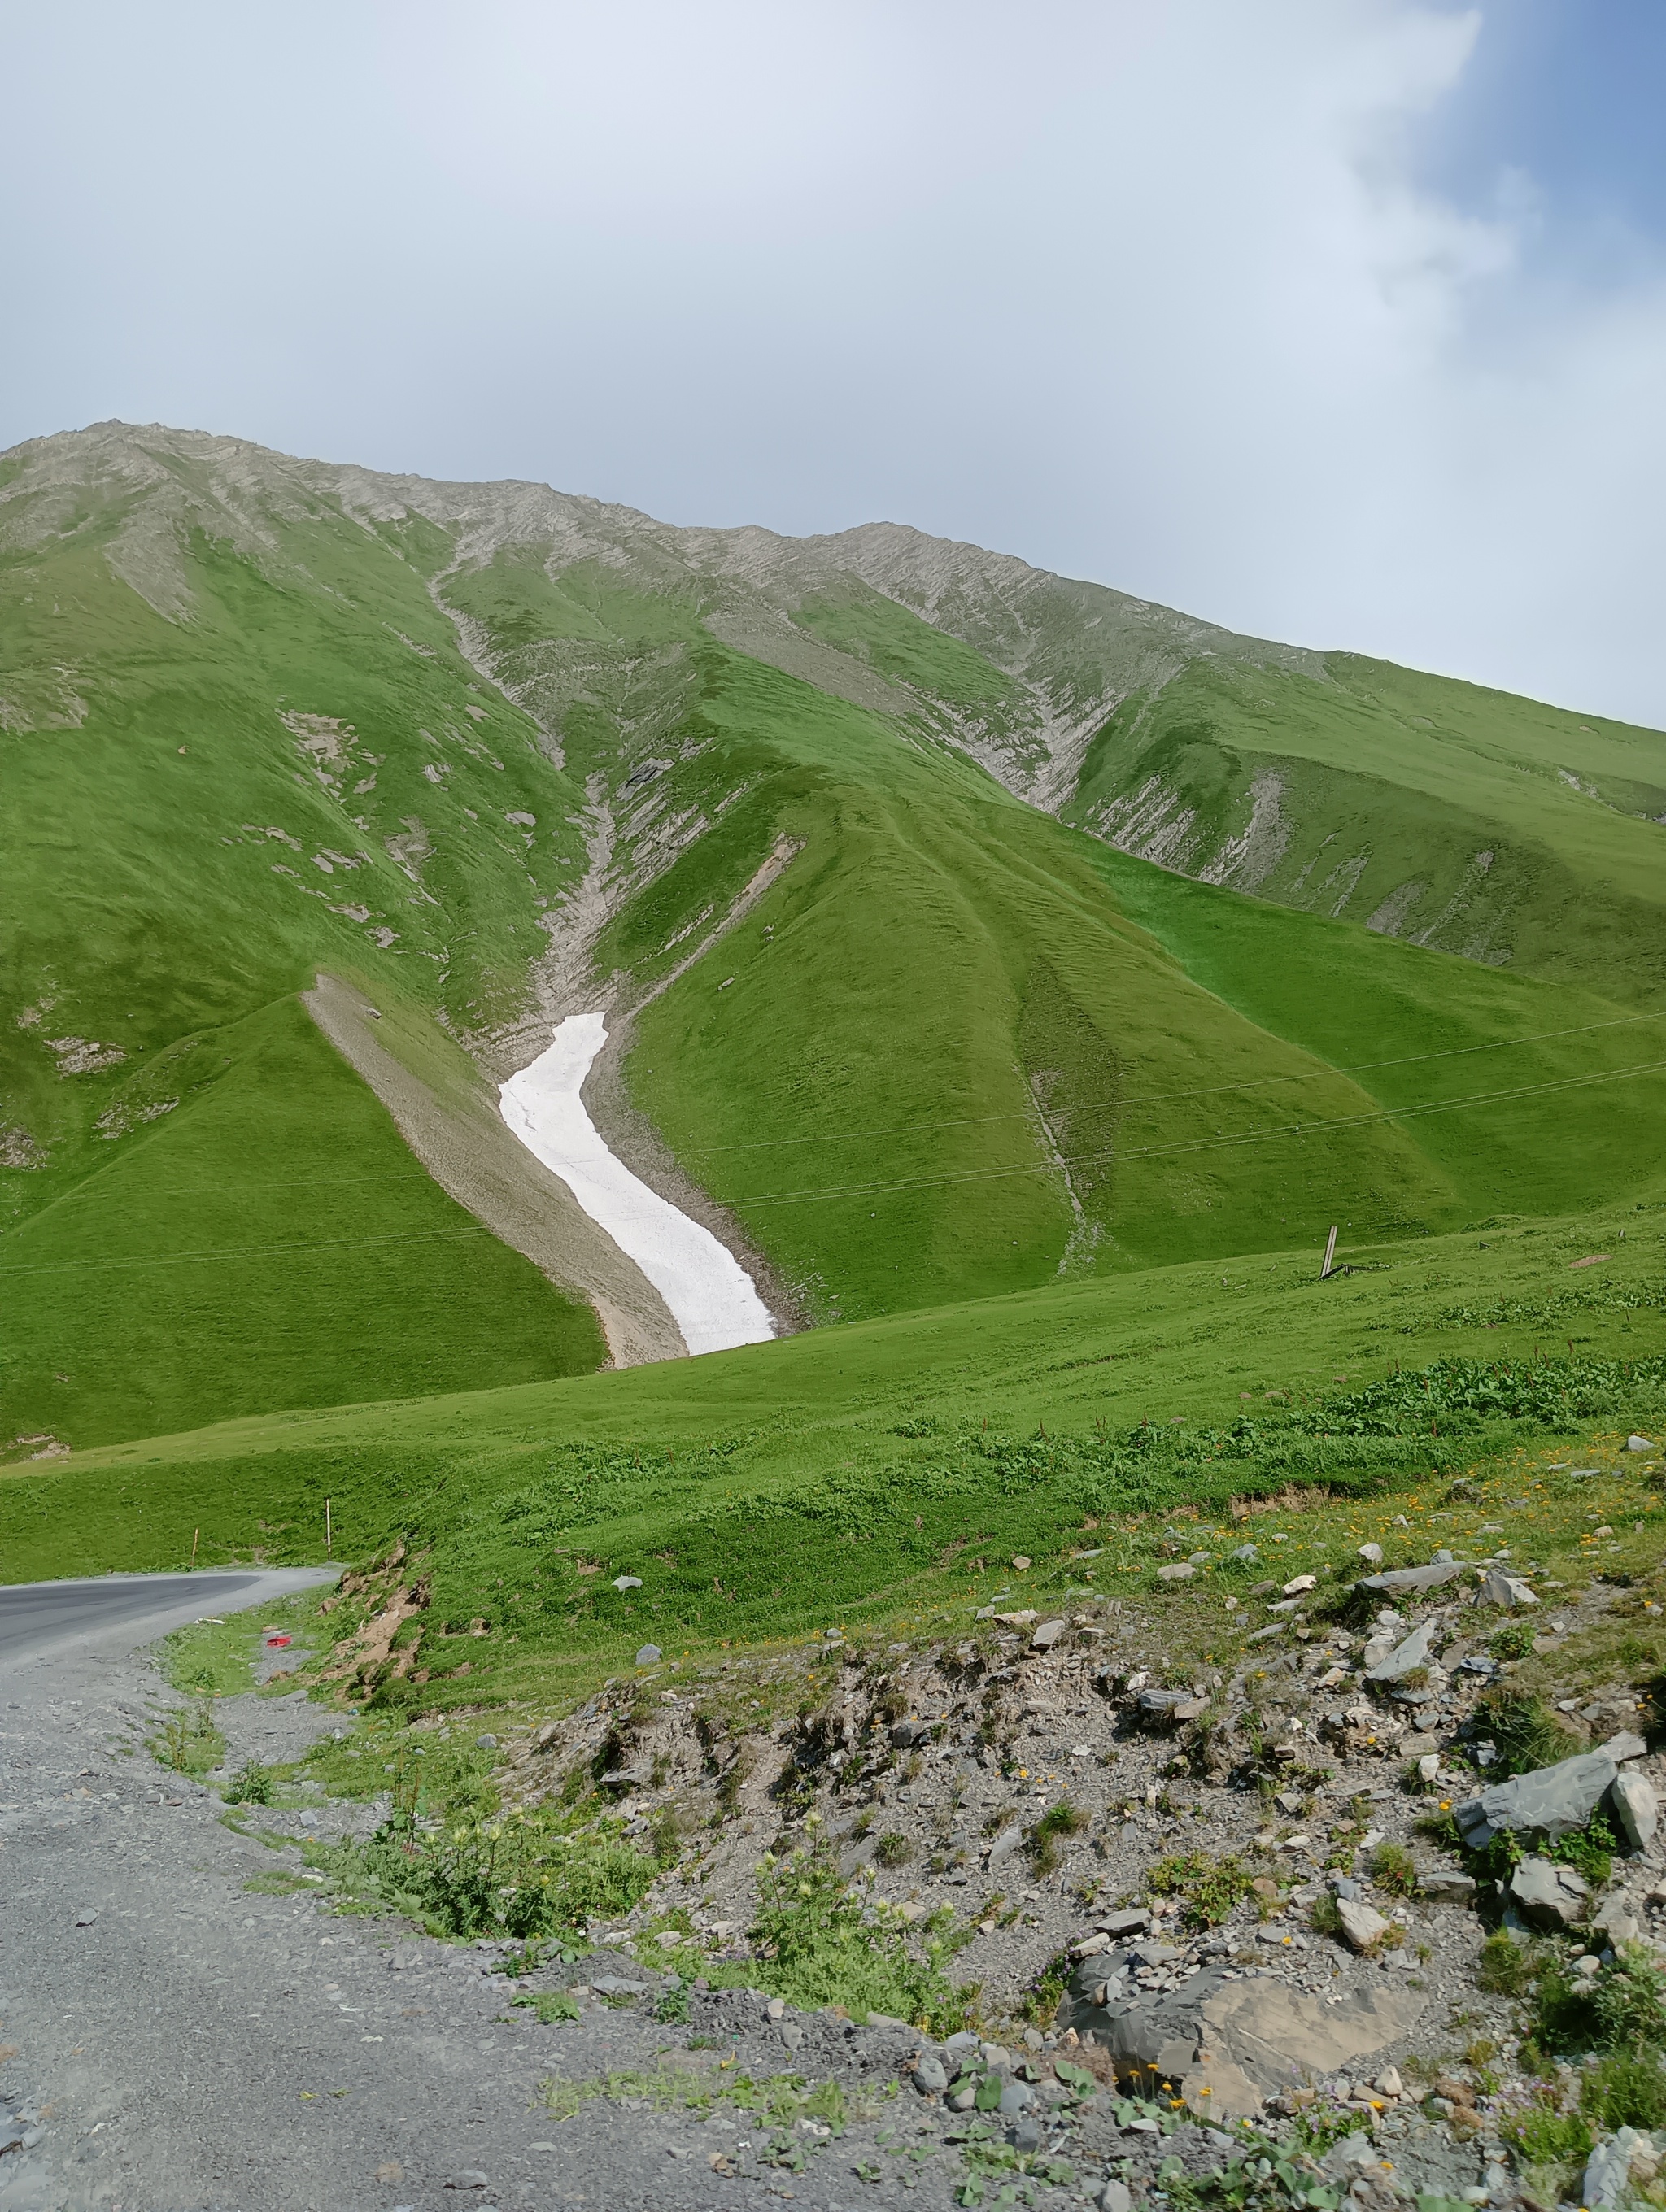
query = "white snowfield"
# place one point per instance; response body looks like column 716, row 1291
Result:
column 712, row 1298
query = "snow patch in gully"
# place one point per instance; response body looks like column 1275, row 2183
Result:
column 713, row 1300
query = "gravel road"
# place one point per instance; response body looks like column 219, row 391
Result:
column 174, row 2043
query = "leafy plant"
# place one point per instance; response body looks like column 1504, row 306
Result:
column 1513, row 1641
column 1541, row 2136
column 524, row 1875
column 893, row 1851
column 829, row 1944
column 1505, row 1967
column 252, row 1786
column 1211, row 1887
column 550, row 2005
column 1626, row 2089
column 189, row 1742
column 1394, row 1870
column 672, row 2006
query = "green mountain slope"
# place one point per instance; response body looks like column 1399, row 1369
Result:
column 496, row 755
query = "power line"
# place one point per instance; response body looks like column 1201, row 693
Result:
column 1161, row 1097
column 1200, row 1144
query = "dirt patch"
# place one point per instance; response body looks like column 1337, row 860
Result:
column 462, row 1142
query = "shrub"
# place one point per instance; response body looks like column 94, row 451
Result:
column 189, row 1742
column 1505, row 1967
column 827, row 1945
column 1394, row 1870
column 253, row 1786
column 1513, row 1641
column 524, row 1875
column 1541, row 2136
column 1589, row 1850
column 1210, row 1887
column 1630, row 2002
column 1057, row 1822
column 1626, row 2089
column 1526, row 1733
column 893, row 1851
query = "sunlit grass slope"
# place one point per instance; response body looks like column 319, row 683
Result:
column 1444, row 813
column 271, row 1241
column 839, row 1475
column 203, row 1209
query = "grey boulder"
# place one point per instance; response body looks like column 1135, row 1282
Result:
column 1554, row 1800
column 1363, row 1927
column 1405, row 1658
column 1497, row 1587
column 1446, row 1886
column 1414, row 1579
column 1238, row 2041
column 1637, row 1807
column 1551, row 1897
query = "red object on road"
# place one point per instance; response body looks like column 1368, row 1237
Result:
column 278, row 1643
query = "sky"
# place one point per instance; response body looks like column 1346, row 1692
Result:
column 1337, row 321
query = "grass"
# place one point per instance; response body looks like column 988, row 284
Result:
column 767, row 1493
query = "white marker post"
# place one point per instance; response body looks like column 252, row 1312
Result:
column 1330, row 1252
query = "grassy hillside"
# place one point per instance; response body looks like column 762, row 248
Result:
column 854, row 1472
column 496, row 754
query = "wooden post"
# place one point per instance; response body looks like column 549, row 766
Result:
column 328, row 1531
column 195, row 1533
column 1330, row 1252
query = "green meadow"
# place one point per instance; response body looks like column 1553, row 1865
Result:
column 1043, row 1139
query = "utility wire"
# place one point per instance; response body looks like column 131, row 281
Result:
column 1162, row 1097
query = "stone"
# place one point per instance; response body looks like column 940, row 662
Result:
column 1372, row 1555
column 1363, row 1926
column 485, row 1743
column 648, row 1654
column 1253, row 2038
column 1181, row 1571
column 1618, row 1922
column 791, row 2032
column 1159, row 1706
column 1555, row 1800
column 1497, row 1588
column 616, row 1986
column 1428, row 1767
column 1090, row 1945
column 1388, row 2083
column 468, row 2177
column 1551, row 1897
column 961, row 2045
column 1114, row 2197
column 775, row 2009
column 548, row 1736
column 1639, row 1443
column 1016, row 2096
column 1026, row 2138
column 627, row 1581
column 931, row 2076
column 1128, row 1922
column 1248, row 1553
column 1298, row 1583
column 1637, row 1807
column 87, row 1916
column 1608, row 2169
column 1005, row 1844
column 1626, row 1745
column 1446, row 1886
column 1047, row 1635
column 1405, row 1658
column 1397, row 1579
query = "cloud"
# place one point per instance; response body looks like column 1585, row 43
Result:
column 1155, row 292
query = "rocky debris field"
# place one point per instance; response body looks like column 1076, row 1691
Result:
column 1054, row 1909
